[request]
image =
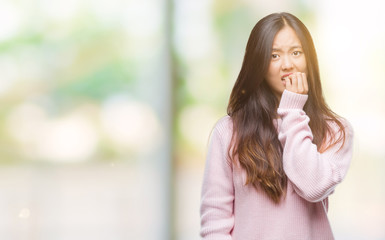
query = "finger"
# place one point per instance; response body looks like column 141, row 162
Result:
column 294, row 83
column 288, row 84
column 305, row 84
column 300, row 83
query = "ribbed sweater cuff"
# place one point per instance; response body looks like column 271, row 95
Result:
column 290, row 100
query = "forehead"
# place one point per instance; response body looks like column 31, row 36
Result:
column 286, row 37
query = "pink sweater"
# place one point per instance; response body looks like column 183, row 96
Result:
column 232, row 210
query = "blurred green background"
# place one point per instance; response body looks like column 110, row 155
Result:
column 106, row 108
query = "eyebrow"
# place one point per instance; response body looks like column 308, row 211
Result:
column 291, row 48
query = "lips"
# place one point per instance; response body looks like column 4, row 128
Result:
column 285, row 75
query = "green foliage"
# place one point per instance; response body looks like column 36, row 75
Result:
column 97, row 84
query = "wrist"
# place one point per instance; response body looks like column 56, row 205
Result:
column 291, row 100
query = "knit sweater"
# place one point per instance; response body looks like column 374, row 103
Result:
column 232, row 210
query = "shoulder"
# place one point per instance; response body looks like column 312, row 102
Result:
column 342, row 134
column 223, row 129
column 347, row 126
column 225, row 122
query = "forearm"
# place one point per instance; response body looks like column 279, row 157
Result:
column 313, row 174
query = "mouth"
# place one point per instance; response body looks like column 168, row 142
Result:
column 285, row 75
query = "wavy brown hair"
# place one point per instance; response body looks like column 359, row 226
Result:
column 252, row 108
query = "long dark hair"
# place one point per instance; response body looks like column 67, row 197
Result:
column 252, row 108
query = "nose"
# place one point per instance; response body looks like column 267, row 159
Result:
column 287, row 63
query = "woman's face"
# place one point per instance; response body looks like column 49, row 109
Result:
column 287, row 57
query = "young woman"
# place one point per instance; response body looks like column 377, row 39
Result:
column 280, row 152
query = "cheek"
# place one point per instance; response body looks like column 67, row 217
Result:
column 304, row 66
column 273, row 70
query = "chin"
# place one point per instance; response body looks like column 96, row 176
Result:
column 280, row 90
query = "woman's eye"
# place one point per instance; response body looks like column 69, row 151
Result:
column 274, row 56
column 297, row 53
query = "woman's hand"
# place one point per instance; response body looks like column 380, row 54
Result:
column 297, row 83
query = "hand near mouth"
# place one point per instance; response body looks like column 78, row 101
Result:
column 296, row 82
